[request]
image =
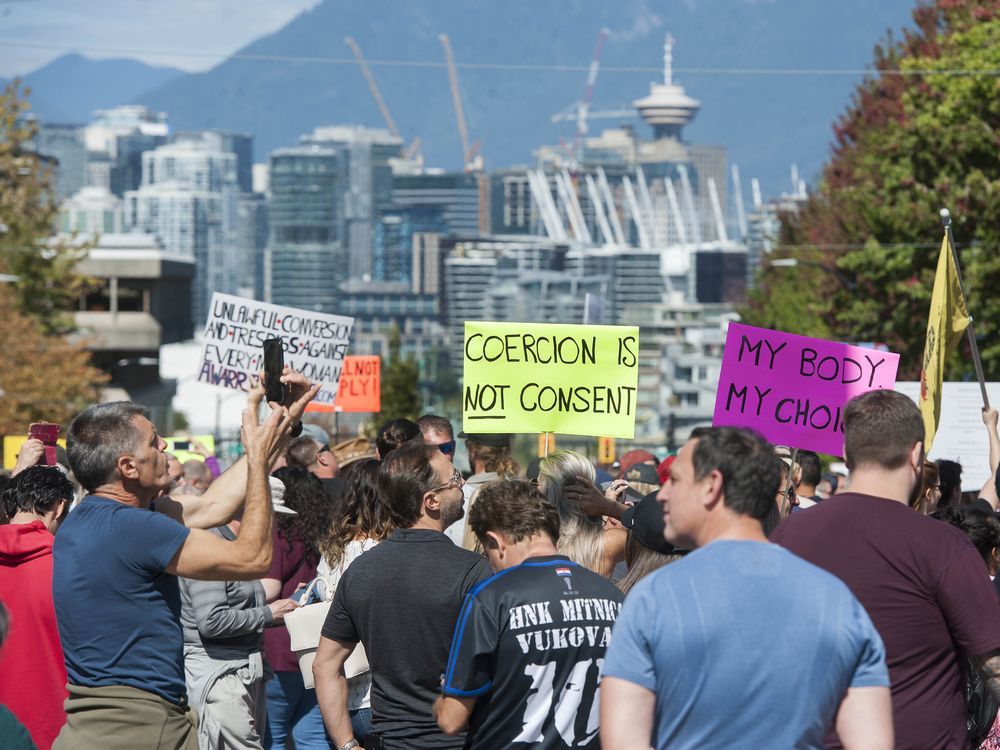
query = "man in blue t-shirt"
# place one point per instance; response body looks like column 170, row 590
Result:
column 739, row 644
column 116, row 561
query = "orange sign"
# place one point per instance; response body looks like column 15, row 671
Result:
column 359, row 388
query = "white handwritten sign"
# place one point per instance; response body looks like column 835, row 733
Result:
column 314, row 343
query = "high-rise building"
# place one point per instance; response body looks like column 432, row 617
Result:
column 453, row 195
column 251, row 228
column 65, row 144
column 365, row 188
column 90, row 211
column 436, row 202
column 126, row 166
column 188, row 199
column 103, row 131
column 233, row 142
column 391, row 257
column 305, row 258
column 427, row 264
column 512, row 210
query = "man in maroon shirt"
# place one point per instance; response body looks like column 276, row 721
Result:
column 923, row 585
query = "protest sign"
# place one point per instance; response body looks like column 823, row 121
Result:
column 792, row 389
column 314, row 343
column 961, row 435
column 360, row 388
column 538, row 377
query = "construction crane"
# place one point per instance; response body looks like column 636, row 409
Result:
column 470, row 160
column 413, row 150
column 579, row 111
column 588, row 93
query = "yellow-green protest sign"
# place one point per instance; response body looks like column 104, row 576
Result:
column 540, row 377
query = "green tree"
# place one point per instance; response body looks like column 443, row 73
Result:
column 400, row 384
column 45, row 377
column 921, row 133
column 48, row 285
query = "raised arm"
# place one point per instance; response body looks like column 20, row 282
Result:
column 224, row 497
column 205, row 556
column 591, row 500
column 989, row 490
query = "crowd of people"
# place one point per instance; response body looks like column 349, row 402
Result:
column 372, row 594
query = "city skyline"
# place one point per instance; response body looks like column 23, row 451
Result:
column 751, row 66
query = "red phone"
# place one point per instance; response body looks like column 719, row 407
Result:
column 47, row 433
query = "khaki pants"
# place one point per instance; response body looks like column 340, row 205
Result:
column 125, row 718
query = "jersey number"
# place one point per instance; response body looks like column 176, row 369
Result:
column 540, row 701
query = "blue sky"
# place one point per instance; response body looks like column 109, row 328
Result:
column 141, row 29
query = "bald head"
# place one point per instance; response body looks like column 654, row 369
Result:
column 197, row 476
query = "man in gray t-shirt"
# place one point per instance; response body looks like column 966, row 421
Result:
column 739, row 622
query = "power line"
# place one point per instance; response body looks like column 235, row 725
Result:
column 844, row 246
column 526, row 67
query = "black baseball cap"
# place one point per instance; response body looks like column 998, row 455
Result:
column 647, row 526
column 642, row 473
column 492, row 439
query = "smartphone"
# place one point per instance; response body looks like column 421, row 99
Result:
column 47, row 433
column 274, row 364
column 182, row 445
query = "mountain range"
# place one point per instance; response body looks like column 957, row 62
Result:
column 757, row 66
column 71, row 87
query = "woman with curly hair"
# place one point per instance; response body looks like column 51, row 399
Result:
column 291, row 708
column 359, row 523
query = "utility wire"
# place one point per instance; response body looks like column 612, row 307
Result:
column 528, row 67
column 846, row 246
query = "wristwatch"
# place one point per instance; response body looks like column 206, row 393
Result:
column 350, row 744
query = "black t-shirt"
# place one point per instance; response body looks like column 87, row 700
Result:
column 401, row 600
column 529, row 647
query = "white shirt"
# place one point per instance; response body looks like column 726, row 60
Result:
column 359, row 688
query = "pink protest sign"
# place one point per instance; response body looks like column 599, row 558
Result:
column 792, row 389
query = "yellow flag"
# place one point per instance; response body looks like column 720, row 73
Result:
column 949, row 317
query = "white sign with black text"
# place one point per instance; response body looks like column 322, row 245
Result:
column 315, row 343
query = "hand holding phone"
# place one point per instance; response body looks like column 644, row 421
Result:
column 47, row 434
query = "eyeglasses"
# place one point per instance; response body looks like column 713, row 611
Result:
column 448, row 448
column 455, row 481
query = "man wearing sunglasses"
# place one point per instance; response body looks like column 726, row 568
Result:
column 437, row 431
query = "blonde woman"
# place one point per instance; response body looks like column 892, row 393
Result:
column 583, row 539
